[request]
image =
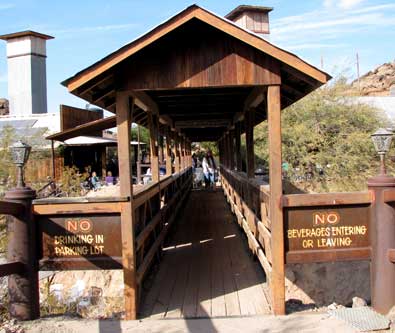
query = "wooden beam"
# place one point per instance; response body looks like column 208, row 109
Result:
column 9, row 268
column 144, row 101
column 100, row 95
column 276, row 213
column 256, row 97
column 249, row 124
column 124, row 123
column 11, row 208
column 95, row 83
column 202, row 123
column 328, row 199
column 153, row 129
column 85, row 129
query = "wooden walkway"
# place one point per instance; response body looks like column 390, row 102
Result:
column 206, row 270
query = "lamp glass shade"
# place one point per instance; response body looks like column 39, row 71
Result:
column 382, row 140
column 20, row 152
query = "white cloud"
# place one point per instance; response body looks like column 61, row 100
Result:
column 307, row 46
column 370, row 9
column 344, row 4
column 100, row 28
column 320, row 26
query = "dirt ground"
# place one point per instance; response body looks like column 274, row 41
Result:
column 301, row 323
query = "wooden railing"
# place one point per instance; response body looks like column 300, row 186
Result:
column 250, row 201
column 13, row 209
column 155, row 210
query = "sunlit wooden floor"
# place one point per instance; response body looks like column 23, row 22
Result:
column 206, row 270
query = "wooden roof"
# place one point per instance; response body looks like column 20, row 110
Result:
column 243, row 8
column 196, row 65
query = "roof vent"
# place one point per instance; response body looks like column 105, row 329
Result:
column 254, row 18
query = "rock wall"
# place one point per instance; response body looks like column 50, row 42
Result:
column 377, row 82
column 324, row 283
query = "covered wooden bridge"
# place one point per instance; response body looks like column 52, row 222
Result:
column 196, row 77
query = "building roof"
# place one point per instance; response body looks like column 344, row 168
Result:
column 193, row 12
column 196, row 66
column 24, row 34
column 32, row 128
column 95, row 140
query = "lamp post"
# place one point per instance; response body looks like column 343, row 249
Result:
column 22, row 243
column 20, row 154
column 382, row 142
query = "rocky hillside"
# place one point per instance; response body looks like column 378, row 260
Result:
column 376, row 82
column 4, row 107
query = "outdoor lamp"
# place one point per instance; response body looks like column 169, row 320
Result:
column 382, row 142
column 20, row 154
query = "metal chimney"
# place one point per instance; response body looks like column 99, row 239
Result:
column 27, row 77
column 253, row 18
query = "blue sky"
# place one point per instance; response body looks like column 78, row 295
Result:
column 87, row 30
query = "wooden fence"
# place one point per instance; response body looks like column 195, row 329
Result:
column 155, row 209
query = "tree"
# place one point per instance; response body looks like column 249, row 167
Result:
column 326, row 141
column 144, row 134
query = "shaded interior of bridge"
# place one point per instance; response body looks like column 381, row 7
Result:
column 206, row 269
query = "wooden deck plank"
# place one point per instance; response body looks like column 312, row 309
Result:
column 209, row 272
column 190, row 300
column 218, row 293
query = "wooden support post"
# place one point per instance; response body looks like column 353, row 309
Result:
column 53, row 161
column 161, row 150
column 184, row 153
column 237, row 146
column 231, row 150
column 23, row 288
column 221, row 151
column 226, row 151
column 124, row 123
column 249, row 124
column 177, row 162
column 169, row 170
column 153, row 129
column 104, row 162
column 276, row 212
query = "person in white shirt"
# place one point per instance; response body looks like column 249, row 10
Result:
column 209, row 167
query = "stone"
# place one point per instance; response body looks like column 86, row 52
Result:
column 332, row 306
column 358, row 302
column 290, row 275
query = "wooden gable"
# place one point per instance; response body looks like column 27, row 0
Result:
column 198, row 55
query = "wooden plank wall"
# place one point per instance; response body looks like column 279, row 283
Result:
column 204, row 58
column 37, row 170
column 71, row 117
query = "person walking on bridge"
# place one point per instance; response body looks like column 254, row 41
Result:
column 209, row 167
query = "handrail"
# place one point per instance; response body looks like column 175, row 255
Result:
column 152, row 189
column 11, row 208
column 327, row 199
column 9, row 268
column 260, row 185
